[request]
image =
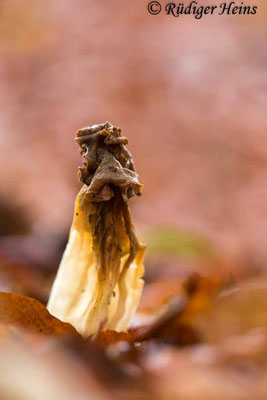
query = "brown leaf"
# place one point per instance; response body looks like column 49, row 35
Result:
column 176, row 321
column 109, row 337
column 25, row 312
column 238, row 312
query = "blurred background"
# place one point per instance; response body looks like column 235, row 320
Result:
column 190, row 95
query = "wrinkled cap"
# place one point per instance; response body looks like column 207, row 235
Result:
column 107, row 163
column 94, row 129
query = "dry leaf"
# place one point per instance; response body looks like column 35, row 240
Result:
column 109, row 337
column 176, row 321
column 237, row 312
column 25, row 312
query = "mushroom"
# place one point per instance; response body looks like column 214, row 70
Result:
column 99, row 280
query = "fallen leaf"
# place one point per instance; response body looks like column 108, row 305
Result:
column 239, row 311
column 176, row 321
column 109, row 337
column 27, row 313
